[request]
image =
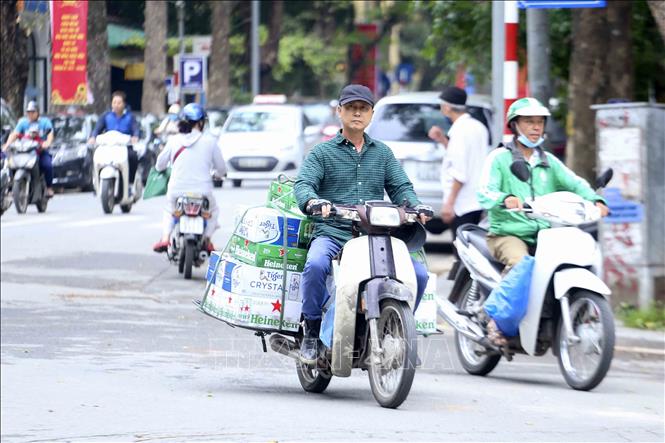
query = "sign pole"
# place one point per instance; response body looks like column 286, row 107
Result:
column 498, row 46
column 510, row 64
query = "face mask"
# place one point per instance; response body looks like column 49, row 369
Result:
column 528, row 143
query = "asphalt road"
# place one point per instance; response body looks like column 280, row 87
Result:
column 101, row 342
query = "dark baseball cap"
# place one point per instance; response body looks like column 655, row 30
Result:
column 356, row 92
column 454, row 96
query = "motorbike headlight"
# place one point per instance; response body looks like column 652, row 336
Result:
column 384, row 216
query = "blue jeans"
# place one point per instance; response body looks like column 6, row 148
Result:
column 313, row 280
column 46, row 166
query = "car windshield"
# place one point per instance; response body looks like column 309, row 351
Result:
column 260, row 121
column 70, row 128
column 318, row 113
column 407, row 122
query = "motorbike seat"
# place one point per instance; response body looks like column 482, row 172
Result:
column 477, row 236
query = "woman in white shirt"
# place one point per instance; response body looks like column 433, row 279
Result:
column 192, row 155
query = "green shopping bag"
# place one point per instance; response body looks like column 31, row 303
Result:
column 157, row 183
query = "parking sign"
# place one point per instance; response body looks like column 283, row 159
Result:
column 193, row 72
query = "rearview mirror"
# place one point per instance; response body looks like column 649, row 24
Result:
column 521, row 170
column 604, row 178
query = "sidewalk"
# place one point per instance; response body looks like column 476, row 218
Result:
column 638, row 343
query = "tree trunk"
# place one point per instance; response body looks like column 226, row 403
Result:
column 270, row 49
column 154, row 89
column 99, row 65
column 538, row 53
column 219, row 83
column 657, row 8
column 620, row 66
column 15, row 66
column 587, row 86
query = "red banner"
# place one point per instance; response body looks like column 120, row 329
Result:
column 69, row 26
column 363, row 58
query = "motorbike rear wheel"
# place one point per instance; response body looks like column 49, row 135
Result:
column 391, row 379
column 312, row 380
column 472, row 356
column 189, row 260
column 107, row 195
column 181, row 260
column 585, row 364
column 42, row 204
column 126, row 208
column 20, row 195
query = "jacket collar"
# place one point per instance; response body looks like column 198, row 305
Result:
column 341, row 140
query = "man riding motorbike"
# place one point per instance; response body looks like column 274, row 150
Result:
column 511, row 234
column 169, row 124
column 191, row 154
column 351, row 168
column 42, row 126
column 120, row 119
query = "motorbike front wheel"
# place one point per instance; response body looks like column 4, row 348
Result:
column 585, row 363
column 189, row 260
column 181, row 259
column 20, row 195
column 474, row 357
column 107, row 195
column 391, row 378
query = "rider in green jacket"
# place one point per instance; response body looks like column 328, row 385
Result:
column 512, row 233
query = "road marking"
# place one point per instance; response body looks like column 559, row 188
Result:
column 108, row 220
column 33, row 221
column 639, row 350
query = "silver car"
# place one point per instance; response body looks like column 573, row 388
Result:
column 402, row 122
column 259, row 142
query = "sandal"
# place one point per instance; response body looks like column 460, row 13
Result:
column 495, row 335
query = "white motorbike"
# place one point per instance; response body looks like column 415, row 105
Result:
column 28, row 183
column 568, row 308
column 186, row 246
column 375, row 294
column 111, row 177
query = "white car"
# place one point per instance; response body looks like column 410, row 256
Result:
column 402, row 122
column 259, row 142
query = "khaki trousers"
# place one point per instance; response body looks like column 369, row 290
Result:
column 508, row 249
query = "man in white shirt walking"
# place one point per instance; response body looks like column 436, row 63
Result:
column 467, row 144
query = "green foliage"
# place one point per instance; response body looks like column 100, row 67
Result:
column 650, row 318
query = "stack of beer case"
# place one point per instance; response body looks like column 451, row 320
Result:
column 255, row 281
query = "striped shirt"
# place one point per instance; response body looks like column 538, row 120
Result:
column 335, row 171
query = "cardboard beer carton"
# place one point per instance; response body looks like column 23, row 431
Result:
column 212, row 263
column 243, row 279
column 282, row 196
column 425, row 315
column 266, row 225
column 252, row 312
column 250, row 252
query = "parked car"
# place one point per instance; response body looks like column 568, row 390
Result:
column 8, row 120
column 323, row 114
column 216, row 118
column 72, row 157
column 262, row 141
column 402, row 122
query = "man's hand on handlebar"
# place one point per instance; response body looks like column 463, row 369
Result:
column 425, row 213
column 318, row 206
column 512, row 202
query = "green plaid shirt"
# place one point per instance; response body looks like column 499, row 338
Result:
column 335, row 171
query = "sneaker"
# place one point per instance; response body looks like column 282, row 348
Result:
column 309, row 347
column 160, row 246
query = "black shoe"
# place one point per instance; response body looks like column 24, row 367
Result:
column 310, row 343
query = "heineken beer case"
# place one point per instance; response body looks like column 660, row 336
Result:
column 281, row 195
column 266, row 256
column 243, row 279
column 425, row 315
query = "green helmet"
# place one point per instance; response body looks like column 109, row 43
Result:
column 526, row 106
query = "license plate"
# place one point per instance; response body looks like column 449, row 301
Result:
column 422, row 171
column 252, row 162
column 191, row 225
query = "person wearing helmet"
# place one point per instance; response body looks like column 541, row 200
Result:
column 42, row 127
column 192, row 154
column 511, row 234
column 121, row 119
column 169, row 125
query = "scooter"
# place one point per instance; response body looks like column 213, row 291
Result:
column 374, row 328
column 568, row 308
column 5, row 185
column 186, row 245
column 29, row 183
column 111, row 177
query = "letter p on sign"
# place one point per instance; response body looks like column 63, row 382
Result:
column 193, row 71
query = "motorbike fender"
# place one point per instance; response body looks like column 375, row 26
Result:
column 382, row 288
column 108, row 172
column 570, row 278
column 20, row 174
column 191, row 238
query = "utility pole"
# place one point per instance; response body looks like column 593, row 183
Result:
column 180, row 4
column 538, row 53
column 498, row 48
column 256, row 88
